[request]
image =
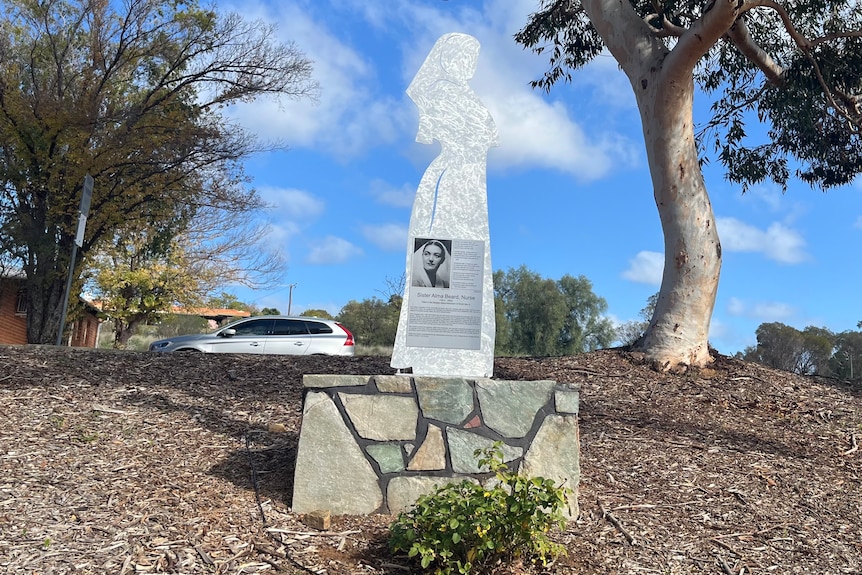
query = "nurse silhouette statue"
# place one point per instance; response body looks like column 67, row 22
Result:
column 451, row 206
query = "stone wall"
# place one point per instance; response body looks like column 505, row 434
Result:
column 374, row 444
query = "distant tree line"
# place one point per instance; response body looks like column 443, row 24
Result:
column 811, row 351
column 535, row 316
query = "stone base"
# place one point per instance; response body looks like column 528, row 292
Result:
column 375, row 444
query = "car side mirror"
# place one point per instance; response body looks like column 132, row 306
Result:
column 229, row 332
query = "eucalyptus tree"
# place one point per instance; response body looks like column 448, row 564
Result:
column 794, row 66
column 630, row 332
column 543, row 317
column 846, row 361
column 534, row 312
column 133, row 93
column 372, row 321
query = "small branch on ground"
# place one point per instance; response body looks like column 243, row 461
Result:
column 616, row 523
column 725, row 567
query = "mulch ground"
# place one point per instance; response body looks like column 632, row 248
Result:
column 126, row 462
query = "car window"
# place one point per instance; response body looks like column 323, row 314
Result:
column 317, row 327
column 254, row 327
column 289, row 327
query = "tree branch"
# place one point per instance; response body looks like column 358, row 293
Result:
column 798, row 38
column 740, row 36
column 633, row 43
column 718, row 16
column 668, row 29
column 850, row 107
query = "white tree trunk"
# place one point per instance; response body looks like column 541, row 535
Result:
column 664, row 87
column 679, row 330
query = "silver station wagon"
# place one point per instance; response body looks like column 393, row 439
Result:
column 268, row 334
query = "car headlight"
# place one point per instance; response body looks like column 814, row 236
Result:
column 159, row 345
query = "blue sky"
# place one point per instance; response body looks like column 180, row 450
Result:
column 568, row 189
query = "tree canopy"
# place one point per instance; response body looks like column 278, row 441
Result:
column 795, row 66
column 630, row 332
column 373, row 321
column 812, row 351
column 135, row 286
column 542, row 317
column 133, row 94
column 321, row 313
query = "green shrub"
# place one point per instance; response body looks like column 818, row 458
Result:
column 467, row 528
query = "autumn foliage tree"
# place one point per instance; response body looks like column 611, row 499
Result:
column 142, row 274
column 133, row 286
column 132, row 93
column 795, row 67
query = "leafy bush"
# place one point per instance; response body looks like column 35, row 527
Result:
column 466, row 528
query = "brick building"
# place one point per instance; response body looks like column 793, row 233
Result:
column 13, row 317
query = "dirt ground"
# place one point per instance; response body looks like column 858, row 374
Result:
column 128, row 462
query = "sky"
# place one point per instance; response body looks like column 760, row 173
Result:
column 569, row 188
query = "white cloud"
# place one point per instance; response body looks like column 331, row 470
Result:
column 778, row 242
column 761, row 311
column 646, row 267
column 718, row 329
column 290, row 211
column 291, row 203
column 611, row 85
column 388, row 237
column 349, row 115
column 332, row 250
column 536, row 133
column 535, row 130
column 400, row 197
column 356, row 112
column 735, row 307
column 277, row 238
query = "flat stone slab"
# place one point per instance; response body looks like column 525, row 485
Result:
column 336, row 475
column 555, row 454
column 431, row 455
column 446, row 399
column 393, row 383
column 382, row 417
column 510, row 407
column 463, row 446
column 403, row 492
column 567, row 400
column 322, row 380
column 389, row 456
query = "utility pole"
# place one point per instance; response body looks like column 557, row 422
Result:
column 290, row 299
